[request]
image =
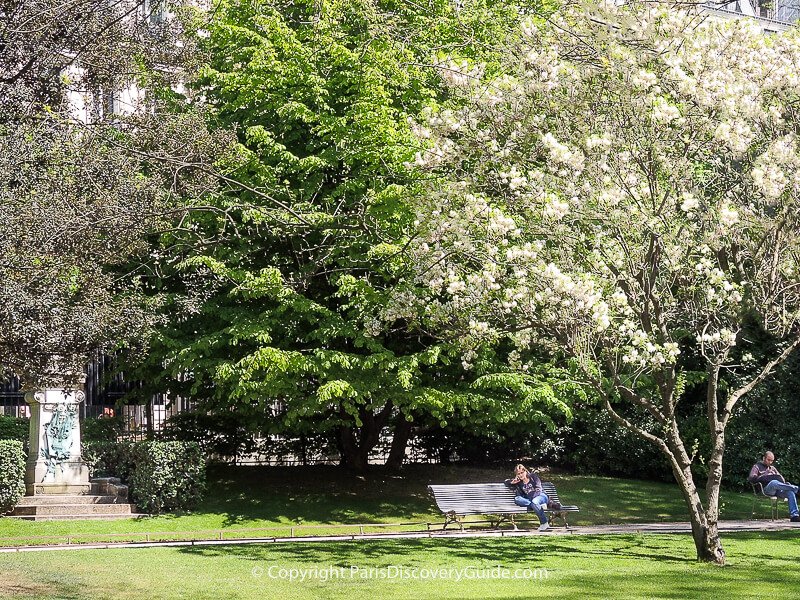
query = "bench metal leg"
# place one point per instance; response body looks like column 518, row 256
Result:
column 773, row 506
column 496, row 520
column 452, row 517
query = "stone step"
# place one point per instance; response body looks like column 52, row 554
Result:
column 73, row 509
column 96, row 517
column 69, row 499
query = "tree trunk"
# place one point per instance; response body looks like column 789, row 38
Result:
column 354, row 456
column 705, row 531
column 397, row 453
column 357, row 442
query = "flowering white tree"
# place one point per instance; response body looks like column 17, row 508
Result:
column 626, row 194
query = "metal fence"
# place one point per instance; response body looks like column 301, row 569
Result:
column 105, row 388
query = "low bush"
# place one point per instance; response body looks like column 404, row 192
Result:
column 12, row 474
column 167, row 476
column 108, row 459
column 14, row 428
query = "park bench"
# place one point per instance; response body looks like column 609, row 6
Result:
column 495, row 500
column 759, row 495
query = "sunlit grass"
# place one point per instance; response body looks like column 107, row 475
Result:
column 320, row 500
column 622, row 566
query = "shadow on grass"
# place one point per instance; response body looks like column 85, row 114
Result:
column 485, row 550
column 331, row 495
column 327, row 495
column 626, row 566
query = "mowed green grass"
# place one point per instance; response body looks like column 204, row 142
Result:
column 324, row 499
column 616, row 566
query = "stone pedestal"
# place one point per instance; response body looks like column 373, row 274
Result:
column 54, row 459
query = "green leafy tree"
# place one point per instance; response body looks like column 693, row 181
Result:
column 281, row 318
column 82, row 188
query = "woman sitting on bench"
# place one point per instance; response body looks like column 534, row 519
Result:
column 528, row 488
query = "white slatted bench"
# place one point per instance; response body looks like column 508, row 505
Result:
column 493, row 499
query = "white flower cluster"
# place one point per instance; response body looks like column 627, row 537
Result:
column 440, row 152
column 460, row 74
column 603, row 142
column 579, row 296
column 771, row 173
column 528, row 252
column 689, row 203
column 514, row 178
column 720, row 291
column 723, row 336
column 555, row 209
column 735, row 135
column 610, row 197
column 561, row 153
column 728, row 216
column 640, row 350
column 644, row 79
column 544, row 69
column 770, row 179
column 664, row 112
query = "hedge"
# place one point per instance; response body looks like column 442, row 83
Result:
column 167, row 476
column 12, row 474
column 108, row 459
column 14, row 428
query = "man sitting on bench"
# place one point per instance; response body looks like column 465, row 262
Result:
column 774, row 484
column 528, row 487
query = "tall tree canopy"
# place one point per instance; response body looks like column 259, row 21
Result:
column 79, row 189
column 624, row 193
column 313, row 230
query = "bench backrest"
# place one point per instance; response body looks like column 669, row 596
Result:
column 552, row 495
column 475, row 498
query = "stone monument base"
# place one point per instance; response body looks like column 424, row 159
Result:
column 45, row 489
column 54, row 463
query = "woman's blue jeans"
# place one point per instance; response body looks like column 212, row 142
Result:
column 536, row 505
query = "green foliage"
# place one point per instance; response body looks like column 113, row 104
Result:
column 101, row 430
column 224, row 435
column 12, row 474
column 167, row 476
column 14, row 428
column 595, row 444
column 308, row 245
column 107, row 458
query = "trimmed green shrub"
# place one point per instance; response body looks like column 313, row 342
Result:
column 167, row 476
column 12, row 474
column 108, row 458
column 14, row 428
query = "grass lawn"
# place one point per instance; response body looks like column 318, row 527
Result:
column 317, row 500
column 632, row 566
